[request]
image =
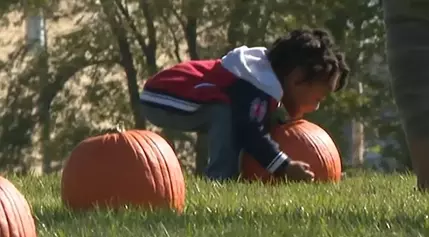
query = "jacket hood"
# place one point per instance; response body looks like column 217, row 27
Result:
column 252, row 65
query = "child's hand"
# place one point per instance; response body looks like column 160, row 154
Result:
column 299, row 171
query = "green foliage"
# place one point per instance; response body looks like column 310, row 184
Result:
column 387, row 206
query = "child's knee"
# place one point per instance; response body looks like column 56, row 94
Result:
column 152, row 115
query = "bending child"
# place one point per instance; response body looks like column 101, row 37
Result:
column 233, row 98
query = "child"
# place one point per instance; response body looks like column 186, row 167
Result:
column 232, row 98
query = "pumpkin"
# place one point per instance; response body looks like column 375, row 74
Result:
column 134, row 167
column 16, row 219
column 303, row 141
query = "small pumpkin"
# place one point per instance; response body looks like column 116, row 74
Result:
column 134, row 167
column 304, row 141
column 16, row 219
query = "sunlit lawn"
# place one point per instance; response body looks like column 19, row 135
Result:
column 365, row 205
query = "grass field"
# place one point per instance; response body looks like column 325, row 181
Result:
column 365, row 205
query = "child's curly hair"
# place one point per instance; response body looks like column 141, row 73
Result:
column 344, row 69
column 313, row 49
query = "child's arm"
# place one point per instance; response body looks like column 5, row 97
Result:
column 251, row 111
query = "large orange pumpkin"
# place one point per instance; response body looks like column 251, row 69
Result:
column 16, row 219
column 134, row 167
column 303, row 141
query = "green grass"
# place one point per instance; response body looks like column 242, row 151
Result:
column 365, row 205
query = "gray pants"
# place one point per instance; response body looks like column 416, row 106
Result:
column 407, row 26
column 216, row 120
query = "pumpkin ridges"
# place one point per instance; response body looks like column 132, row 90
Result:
column 316, row 144
column 154, row 141
column 140, row 174
column 329, row 149
column 160, row 161
column 12, row 199
column 147, row 161
column 141, row 159
column 14, row 225
column 320, row 148
column 143, row 151
column 24, row 210
column 319, row 142
column 5, row 218
column 176, row 178
column 165, row 175
column 333, row 163
column 160, row 152
column 161, row 189
column 3, row 221
column 163, row 166
column 175, row 190
column 153, row 166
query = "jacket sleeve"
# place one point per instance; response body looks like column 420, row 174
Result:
column 251, row 111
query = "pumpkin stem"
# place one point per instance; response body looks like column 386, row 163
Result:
column 118, row 128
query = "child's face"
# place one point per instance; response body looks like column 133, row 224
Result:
column 305, row 96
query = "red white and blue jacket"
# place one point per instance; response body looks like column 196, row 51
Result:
column 243, row 79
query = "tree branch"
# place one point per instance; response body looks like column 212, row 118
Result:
column 132, row 25
column 175, row 40
column 67, row 71
column 149, row 23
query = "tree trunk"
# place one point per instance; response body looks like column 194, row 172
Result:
column 126, row 56
column 131, row 72
column 358, row 147
column 201, row 144
column 358, row 137
column 44, row 115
